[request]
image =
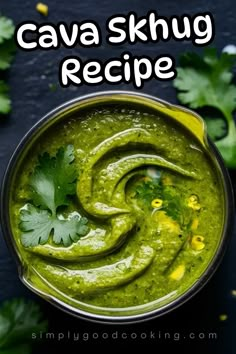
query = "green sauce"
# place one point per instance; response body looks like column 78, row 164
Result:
column 154, row 205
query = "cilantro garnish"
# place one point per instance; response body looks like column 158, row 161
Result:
column 175, row 206
column 147, row 190
column 52, row 181
column 173, row 203
column 5, row 102
column 18, row 320
column 7, row 49
column 216, row 128
column 206, row 81
column 6, row 29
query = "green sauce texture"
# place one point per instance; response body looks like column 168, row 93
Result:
column 154, row 206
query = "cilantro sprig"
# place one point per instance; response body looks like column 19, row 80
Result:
column 148, row 190
column 6, row 29
column 19, row 318
column 52, row 182
column 7, row 49
column 173, row 203
column 207, row 81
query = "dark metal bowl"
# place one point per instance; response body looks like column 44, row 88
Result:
column 193, row 123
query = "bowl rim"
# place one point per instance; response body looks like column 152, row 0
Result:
column 109, row 319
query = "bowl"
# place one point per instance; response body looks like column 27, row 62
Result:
column 192, row 125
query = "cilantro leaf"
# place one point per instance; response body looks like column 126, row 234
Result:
column 216, row 128
column 203, row 81
column 68, row 230
column 52, row 181
column 206, row 81
column 7, row 50
column 37, row 225
column 147, row 190
column 173, row 203
column 175, row 206
column 18, row 320
column 5, row 103
column 6, row 28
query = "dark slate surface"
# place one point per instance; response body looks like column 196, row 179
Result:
column 29, row 78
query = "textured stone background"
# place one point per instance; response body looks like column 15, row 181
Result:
column 30, row 77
